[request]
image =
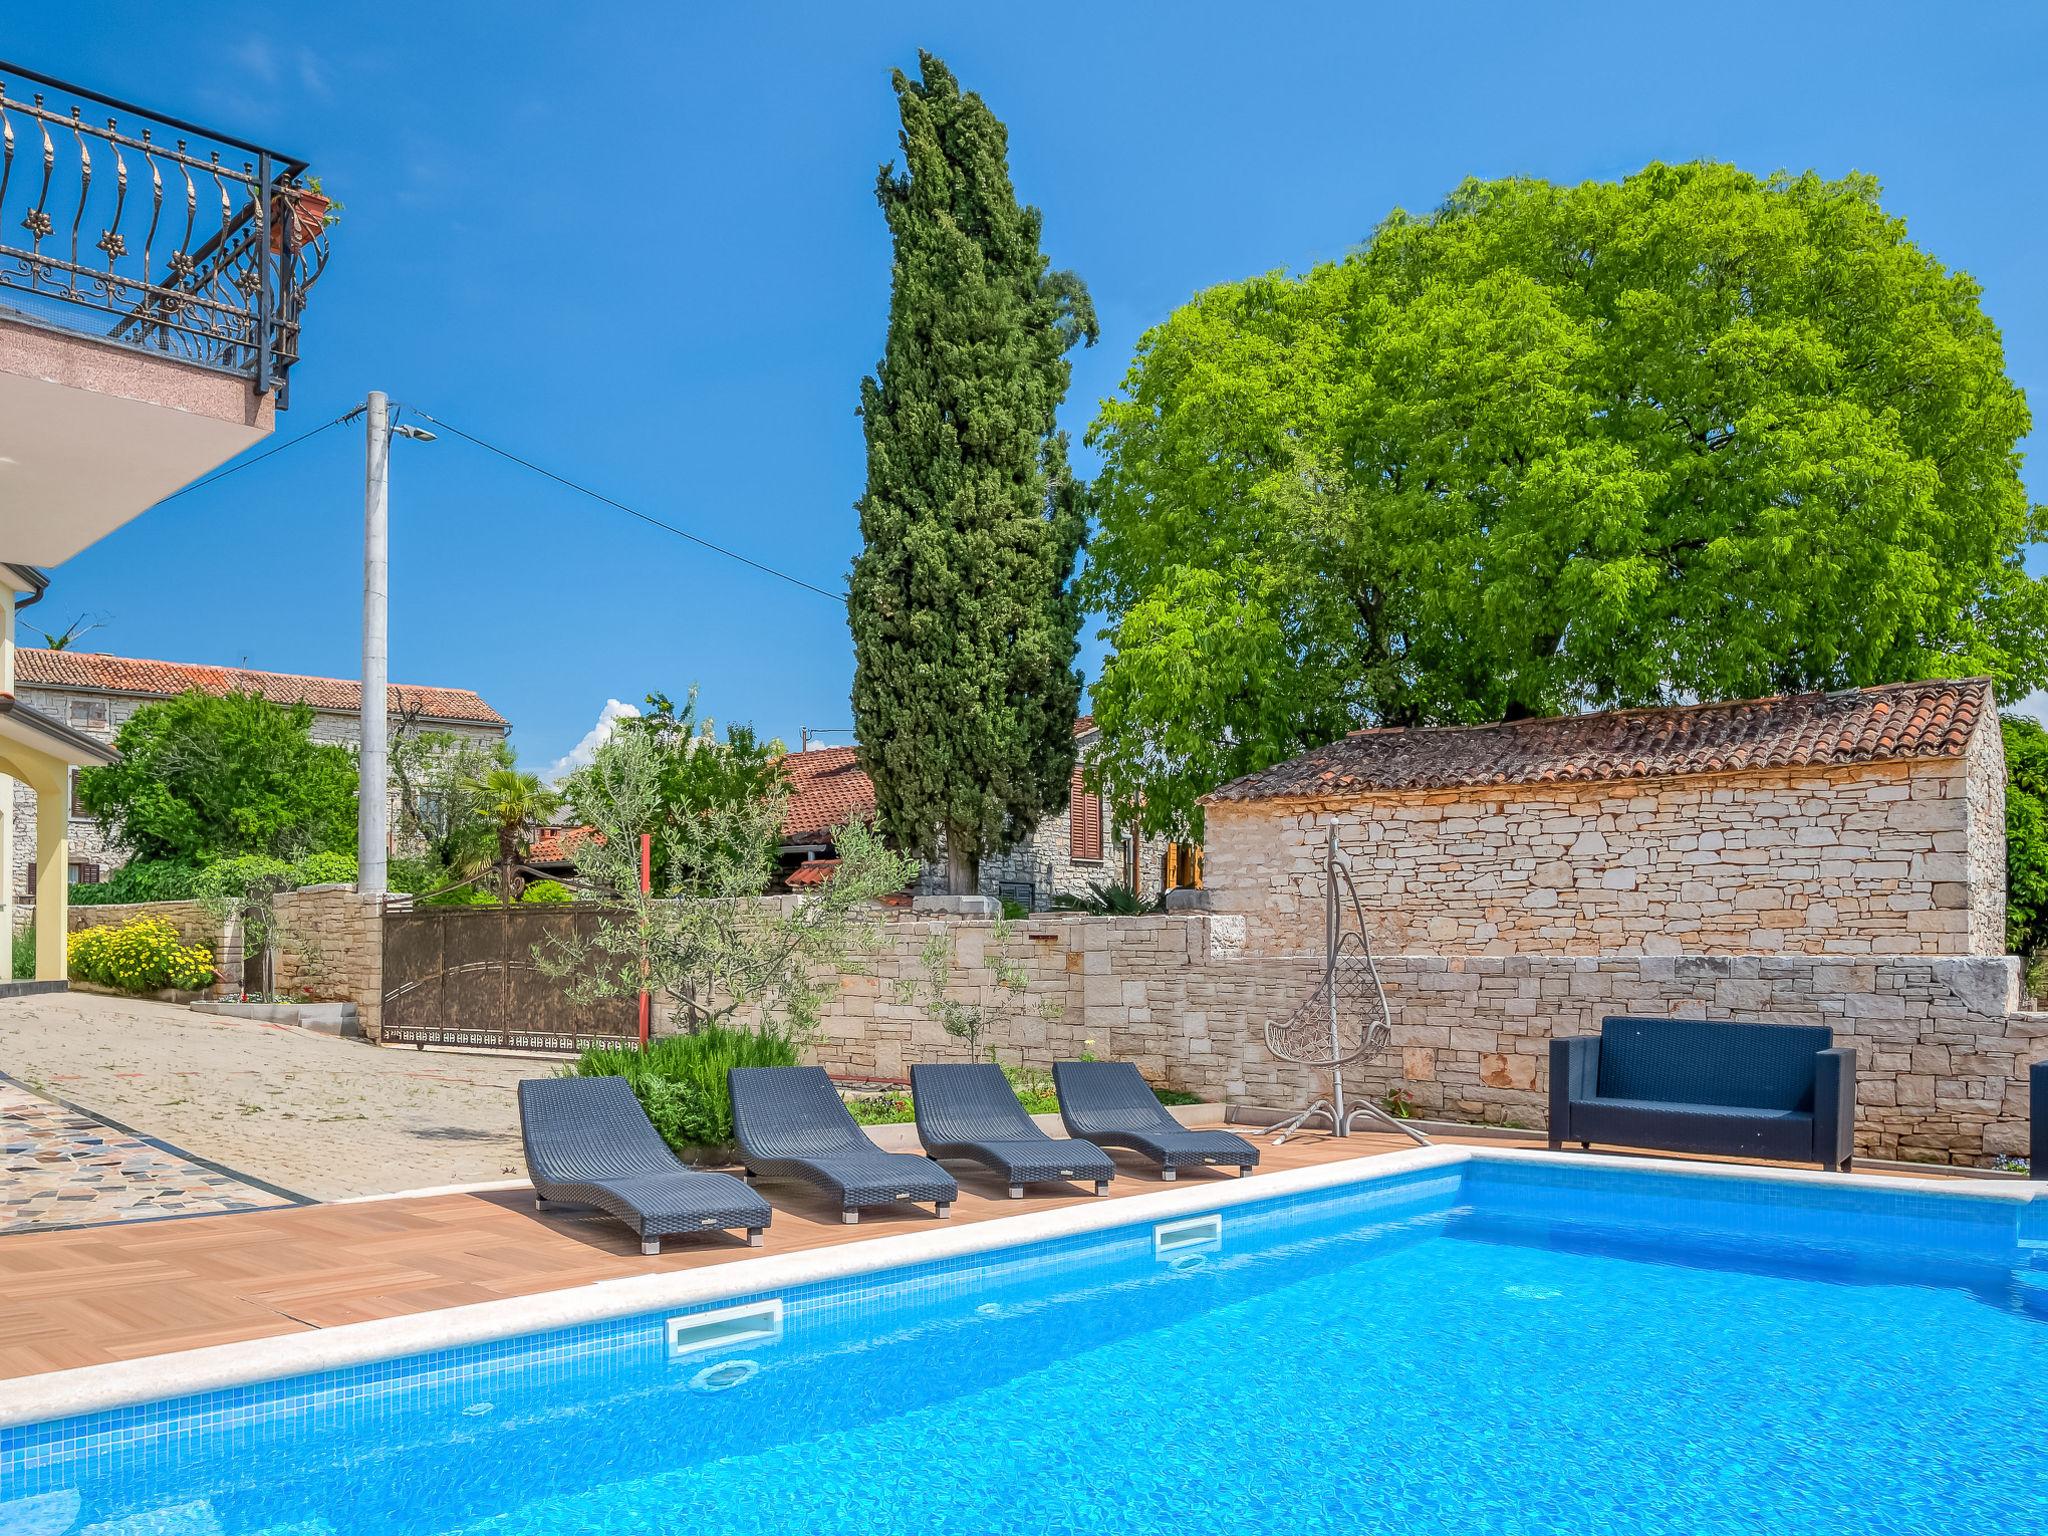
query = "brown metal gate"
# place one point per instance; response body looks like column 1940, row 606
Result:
column 465, row 976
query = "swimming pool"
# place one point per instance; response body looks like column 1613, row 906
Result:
column 1481, row 1344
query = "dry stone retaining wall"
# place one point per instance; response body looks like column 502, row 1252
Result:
column 1942, row 1051
column 194, row 922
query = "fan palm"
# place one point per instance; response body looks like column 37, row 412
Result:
column 514, row 804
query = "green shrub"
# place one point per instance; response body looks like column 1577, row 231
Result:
column 235, row 878
column 139, row 880
column 141, row 955
column 882, row 1109
column 25, row 955
column 170, row 880
column 1033, row 1088
column 326, row 869
column 1014, row 910
column 461, row 896
column 680, row 1079
column 1109, row 898
column 547, row 893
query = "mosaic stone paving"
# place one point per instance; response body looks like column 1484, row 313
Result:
column 59, row 1167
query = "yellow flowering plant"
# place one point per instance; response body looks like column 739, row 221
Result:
column 144, row 954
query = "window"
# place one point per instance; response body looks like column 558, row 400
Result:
column 88, row 711
column 84, row 873
column 78, row 812
column 1084, row 823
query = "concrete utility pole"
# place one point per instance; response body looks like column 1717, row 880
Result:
column 373, row 785
column 373, row 794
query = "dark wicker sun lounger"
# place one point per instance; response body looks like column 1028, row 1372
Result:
column 1108, row 1103
column 588, row 1142
column 791, row 1125
column 970, row 1111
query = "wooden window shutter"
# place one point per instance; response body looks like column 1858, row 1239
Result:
column 1084, row 821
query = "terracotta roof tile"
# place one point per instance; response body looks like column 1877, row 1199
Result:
column 812, row 872
column 827, row 789
column 162, row 679
column 1898, row 721
column 558, row 845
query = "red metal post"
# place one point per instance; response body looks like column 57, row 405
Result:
column 646, row 885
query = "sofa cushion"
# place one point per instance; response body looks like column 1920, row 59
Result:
column 1727, row 1130
column 1717, row 1061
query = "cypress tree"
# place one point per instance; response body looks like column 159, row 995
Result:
column 962, row 603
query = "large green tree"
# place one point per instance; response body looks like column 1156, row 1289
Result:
column 964, row 614
column 208, row 776
column 2026, row 836
column 1694, row 434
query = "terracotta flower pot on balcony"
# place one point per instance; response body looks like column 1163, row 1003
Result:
column 308, row 212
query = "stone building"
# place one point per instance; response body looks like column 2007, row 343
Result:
column 1869, row 822
column 1827, row 859
column 1065, row 854
column 95, row 694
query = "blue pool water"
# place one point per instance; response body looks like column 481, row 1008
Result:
column 1506, row 1348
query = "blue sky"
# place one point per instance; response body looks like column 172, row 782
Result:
column 639, row 244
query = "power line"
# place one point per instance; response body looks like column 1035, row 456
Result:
column 268, row 453
column 681, row 533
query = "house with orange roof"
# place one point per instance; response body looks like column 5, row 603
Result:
column 91, row 695
column 1077, row 847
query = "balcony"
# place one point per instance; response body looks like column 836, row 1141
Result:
column 153, row 275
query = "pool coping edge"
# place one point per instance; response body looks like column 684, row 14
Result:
column 84, row 1390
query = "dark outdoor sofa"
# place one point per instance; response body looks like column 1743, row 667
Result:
column 1712, row 1086
column 2037, row 1110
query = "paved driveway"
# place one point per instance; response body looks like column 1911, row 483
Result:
column 317, row 1116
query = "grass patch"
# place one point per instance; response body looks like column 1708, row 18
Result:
column 1033, row 1088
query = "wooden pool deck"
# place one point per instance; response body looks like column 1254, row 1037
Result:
column 109, row 1293
column 123, row 1292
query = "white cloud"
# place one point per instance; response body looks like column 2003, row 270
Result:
column 2035, row 704
column 613, row 712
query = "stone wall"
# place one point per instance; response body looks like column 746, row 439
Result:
column 1878, row 859
column 330, row 948
column 1985, row 796
column 1942, row 1052
column 194, row 922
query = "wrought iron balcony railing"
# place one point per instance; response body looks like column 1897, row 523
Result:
column 153, row 233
